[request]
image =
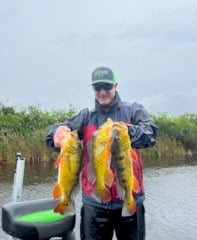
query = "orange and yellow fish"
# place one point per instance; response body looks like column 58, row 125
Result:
column 69, row 165
column 122, row 158
column 101, row 160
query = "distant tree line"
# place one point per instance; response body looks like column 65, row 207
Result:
column 181, row 128
column 24, row 130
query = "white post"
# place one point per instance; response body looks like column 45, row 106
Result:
column 18, row 182
column 18, row 178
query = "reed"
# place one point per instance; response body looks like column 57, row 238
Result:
column 24, row 131
column 167, row 151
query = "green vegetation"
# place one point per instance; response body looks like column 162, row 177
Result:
column 24, row 131
column 177, row 139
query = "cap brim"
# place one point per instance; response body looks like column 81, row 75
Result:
column 103, row 81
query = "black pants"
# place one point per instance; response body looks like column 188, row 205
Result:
column 99, row 224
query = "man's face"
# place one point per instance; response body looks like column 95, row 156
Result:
column 104, row 93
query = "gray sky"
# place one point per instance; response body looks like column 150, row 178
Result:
column 48, row 50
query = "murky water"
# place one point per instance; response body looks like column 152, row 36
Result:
column 171, row 197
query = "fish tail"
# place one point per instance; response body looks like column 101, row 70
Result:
column 129, row 208
column 102, row 195
column 63, row 208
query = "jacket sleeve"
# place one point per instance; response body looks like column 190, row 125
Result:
column 143, row 131
column 75, row 123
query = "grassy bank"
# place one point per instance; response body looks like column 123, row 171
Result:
column 24, row 130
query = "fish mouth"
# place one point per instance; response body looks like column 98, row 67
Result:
column 114, row 137
column 115, row 133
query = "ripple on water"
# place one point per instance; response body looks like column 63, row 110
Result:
column 171, row 197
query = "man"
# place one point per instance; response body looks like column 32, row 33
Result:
column 100, row 220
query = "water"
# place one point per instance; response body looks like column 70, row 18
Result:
column 171, row 197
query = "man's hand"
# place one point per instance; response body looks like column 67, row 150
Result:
column 60, row 135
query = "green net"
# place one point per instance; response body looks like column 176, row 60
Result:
column 41, row 216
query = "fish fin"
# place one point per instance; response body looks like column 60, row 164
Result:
column 58, row 160
column 102, row 196
column 136, row 186
column 64, row 209
column 56, row 191
column 133, row 154
column 91, row 174
column 120, row 190
column 100, row 148
column 109, row 177
column 129, row 209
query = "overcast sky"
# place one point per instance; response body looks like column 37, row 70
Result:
column 48, row 50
